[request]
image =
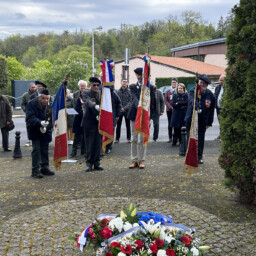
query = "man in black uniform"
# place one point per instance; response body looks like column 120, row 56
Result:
column 90, row 124
column 205, row 108
column 39, row 125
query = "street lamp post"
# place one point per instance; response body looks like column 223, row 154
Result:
column 94, row 29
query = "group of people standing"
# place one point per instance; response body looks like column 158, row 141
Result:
column 86, row 101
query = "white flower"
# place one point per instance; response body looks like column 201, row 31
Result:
column 185, row 250
column 127, row 226
column 116, row 223
column 194, row 251
column 161, row 253
column 151, row 227
column 135, row 225
column 121, row 254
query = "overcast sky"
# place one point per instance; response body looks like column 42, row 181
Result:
column 34, row 16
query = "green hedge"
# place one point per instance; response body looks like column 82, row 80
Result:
column 162, row 81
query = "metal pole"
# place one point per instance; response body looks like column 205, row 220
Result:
column 93, row 53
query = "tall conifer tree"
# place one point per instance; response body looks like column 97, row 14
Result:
column 238, row 116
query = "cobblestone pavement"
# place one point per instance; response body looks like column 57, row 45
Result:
column 38, row 216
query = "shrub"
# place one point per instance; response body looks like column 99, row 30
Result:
column 237, row 120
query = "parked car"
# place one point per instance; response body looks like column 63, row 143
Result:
column 164, row 88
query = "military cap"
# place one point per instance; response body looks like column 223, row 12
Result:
column 38, row 82
column 205, row 78
column 44, row 92
column 138, row 71
column 95, row 80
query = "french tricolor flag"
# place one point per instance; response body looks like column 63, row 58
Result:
column 106, row 128
column 59, row 127
column 142, row 117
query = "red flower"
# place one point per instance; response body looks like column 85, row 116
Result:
column 170, row 252
column 185, row 240
column 127, row 249
column 103, row 223
column 153, row 248
column 90, row 232
column 159, row 242
column 108, row 254
column 106, row 233
column 139, row 244
column 189, row 237
column 115, row 244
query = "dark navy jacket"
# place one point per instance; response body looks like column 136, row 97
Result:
column 34, row 115
column 207, row 106
column 179, row 104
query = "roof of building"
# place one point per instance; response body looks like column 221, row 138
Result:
column 188, row 65
column 203, row 43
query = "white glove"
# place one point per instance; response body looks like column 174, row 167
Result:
column 44, row 123
column 97, row 107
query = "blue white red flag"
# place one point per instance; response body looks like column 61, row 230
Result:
column 106, row 126
column 59, row 127
column 142, row 117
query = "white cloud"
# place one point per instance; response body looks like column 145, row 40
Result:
column 33, row 16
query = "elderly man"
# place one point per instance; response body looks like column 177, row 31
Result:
column 77, row 129
column 39, row 126
column 218, row 94
column 5, row 118
column 90, row 124
column 138, row 151
column 205, row 107
column 26, row 98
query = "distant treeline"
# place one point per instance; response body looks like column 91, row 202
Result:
column 48, row 56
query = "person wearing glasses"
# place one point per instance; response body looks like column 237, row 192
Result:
column 91, row 98
column 205, row 106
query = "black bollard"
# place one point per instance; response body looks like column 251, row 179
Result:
column 183, row 144
column 17, row 151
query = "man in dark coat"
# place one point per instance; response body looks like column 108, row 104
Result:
column 218, row 95
column 5, row 118
column 156, row 108
column 39, row 127
column 26, row 97
column 77, row 124
column 138, row 151
column 205, row 107
column 125, row 97
column 90, row 125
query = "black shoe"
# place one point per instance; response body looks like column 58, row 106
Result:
column 88, row 168
column 173, row 144
column 116, row 141
column 37, row 174
column 98, row 168
column 7, row 150
column 108, row 151
column 200, row 161
column 47, row 171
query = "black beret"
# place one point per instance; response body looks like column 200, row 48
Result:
column 138, row 71
column 205, row 78
column 44, row 91
column 38, row 82
column 95, row 80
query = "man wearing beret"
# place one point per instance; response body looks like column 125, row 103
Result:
column 91, row 98
column 39, row 86
column 138, row 152
column 205, row 109
column 39, row 127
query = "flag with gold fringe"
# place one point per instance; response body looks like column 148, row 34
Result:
column 142, row 117
column 106, row 126
column 191, row 159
